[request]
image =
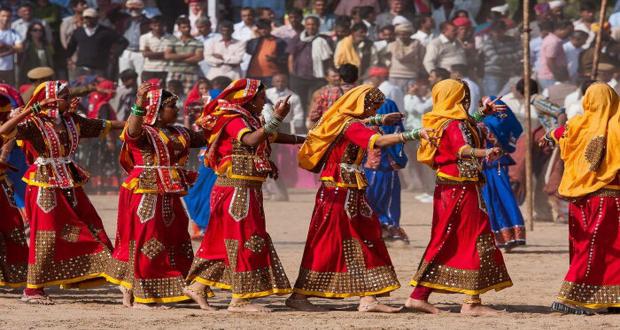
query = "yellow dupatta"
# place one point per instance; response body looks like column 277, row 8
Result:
column 590, row 146
column 448, row 96
column 346, row 53
column 348, row 107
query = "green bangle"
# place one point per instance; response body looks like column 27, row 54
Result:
column 376, row 120
column 138, row 111
column 478, row 116
column 412, row 135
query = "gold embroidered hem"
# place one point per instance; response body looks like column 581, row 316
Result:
column 357, row 283
column 14, row 275
column 590, row 296
column 471, row 282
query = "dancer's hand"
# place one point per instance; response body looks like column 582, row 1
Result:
column 491, row 106
column 392, row 119
column 427, row 134
column 75, row 102
column 493, row 153
column 282, row 108
column 142, row 92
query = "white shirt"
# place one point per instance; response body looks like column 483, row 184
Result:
column 393, row 93
column 579, row 25
column 474, row 93
column 519, row 110
column 296, row 116
column 11, row 38
column 424, row 37
column 90, row 32
column 213, row 36
column 154, row 44
column 573, row 102
column 572, row 57
column 243, row 32
column 535, row 46
column 228, row 65
column 415, row 107
column 614, row 20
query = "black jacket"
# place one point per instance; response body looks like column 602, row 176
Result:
column 98, row 50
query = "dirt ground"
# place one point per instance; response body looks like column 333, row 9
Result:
column 536, row 270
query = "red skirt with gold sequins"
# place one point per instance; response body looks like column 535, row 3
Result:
column 345, row 255
column 14, row 255
column 593, row 278
column 461, row 256
column 236, row 252
column 153, row 251
column 68, row 244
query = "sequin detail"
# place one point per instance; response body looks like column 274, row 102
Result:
column 594, row 152
column 70, row 233
column 152, row 248
column 255, row 244
column 240, row 204
column 46, row 199
column 590, row 294
column 146, row 208
column 355, row 204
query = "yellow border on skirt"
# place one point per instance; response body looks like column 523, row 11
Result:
column 224, row 286
column 13, row 285
column 588, row 306
column 496, row 287
column 345, row 295
column 69, row 281
column 139, row 300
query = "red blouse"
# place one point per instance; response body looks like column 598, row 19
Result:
column 448, row 161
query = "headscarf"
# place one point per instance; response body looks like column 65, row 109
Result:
column 49, row 90
column 99, row 98
column 155, row 99
column 9, row 100
column 395, row 152
column 590, row 146
column 348, row 107
column 193, row 98
column 346, row 53
column 505, row 127
column 448, row 98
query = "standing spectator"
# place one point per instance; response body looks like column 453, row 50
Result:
column 196, row 11
column 152, row 46
column 67, row 27
column 340, row 81
column 96, row 46
column 10, row 43
column 444, row 51
column 545, row 28
column 417, row 102
column 378, row 78
column 327, row 19
column 48, row 12
column 342, row 28
column 502, row 58
column 424, row 25
column 206, row 36
column 465, row 36
column 553, row 61
column 245, row 30
column 309, row 55
column 133, row 25
column 573, row 49
column 357, row 49
column 345, row 7
column 225, row 54
column 21, row 25
column 586, row 18
column 436, row 75
column 557, row 10
column 183, row 54
column 268, row 54
column 462, row 72
column 37, row 52
column 292, row 28
column 368, row 16
column 386, row 36
column 293, row 123
column 446, row 12
column 406, row 56
column 397, row 8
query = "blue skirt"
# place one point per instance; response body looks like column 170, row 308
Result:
column 18, row 159
column 198, row 198
column 504, row 214
column 383, row 194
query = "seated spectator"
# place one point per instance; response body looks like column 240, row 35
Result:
column 357, row 49
column 293, row 123
column 21, row 25
column 407, row 55
column 10, row 44
column 501, row 57
column 225, row 54
column 95, row 45
column 268, row 54
column 573, row 49
column 292, row 27
column 396, row 8
column 444, row 51
column 37, row 51
column 133, row 25
column 553, row 63
column 326, row 19
column 340, row 81
column 424, row 26
column 183, row 55
column 152, row 46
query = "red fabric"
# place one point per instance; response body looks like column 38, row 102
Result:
column 358, row 134
column 451, row 142
column 421, row 293
column 14, row 259
column 193, row 96
column 461, row 21
column 378, row 71
column 64, row 215
column 558, row 132
column 97, row 99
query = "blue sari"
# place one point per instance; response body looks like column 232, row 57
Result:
column 504, row 214
column 17, row 159
column 383, row 191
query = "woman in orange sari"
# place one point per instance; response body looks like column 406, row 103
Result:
column 236, row 252
column 590, row 148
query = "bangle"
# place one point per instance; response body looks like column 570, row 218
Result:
column 402, row 138
column 411, row 135
column 376, row 120
column 473, row 301
column 36, row 108
column 272, row 126
column 478, row 115
column 138, row 111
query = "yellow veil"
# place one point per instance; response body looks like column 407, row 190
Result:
column 590, row 146
column 448, row 96
column 348, row 107
column 346, row 53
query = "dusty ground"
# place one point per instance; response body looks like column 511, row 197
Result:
column 537, row 271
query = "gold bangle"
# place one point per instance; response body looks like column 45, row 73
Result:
column 473, row 301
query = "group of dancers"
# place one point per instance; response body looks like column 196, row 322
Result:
column 152, row 260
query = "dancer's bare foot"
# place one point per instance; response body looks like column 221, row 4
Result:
column 478, row 310
column 245, row 306
column 127, row 296
column 422, row 306
column 199, row 297
column 303, row 304
column 370, row 304
column 149, row 306
column 37, row 300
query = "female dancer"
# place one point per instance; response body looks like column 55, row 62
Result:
column 68, row 244
column 153, row 250
column 381, row 169
column 14, row 255
column 237, row 253
column 461, row 256
column 590, row 147
column 502, row 130
column 345, row 255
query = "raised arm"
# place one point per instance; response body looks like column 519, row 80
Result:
column 9, row 126
column 136, row 118
column 280, row 110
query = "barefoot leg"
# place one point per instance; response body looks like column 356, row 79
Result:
column 474, row 307
column 239, row 305
column 371, row 304
column 300, row 302
column 196, row 291
column 127, row 296
column 422, row 306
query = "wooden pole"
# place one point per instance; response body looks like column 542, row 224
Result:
column 529, row 189
column 599, row 40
